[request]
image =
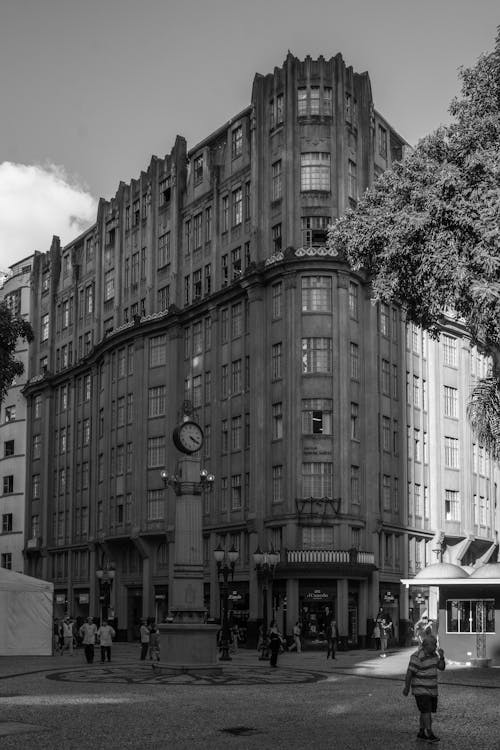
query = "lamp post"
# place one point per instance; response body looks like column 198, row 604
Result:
column 105, row 576
column 265, row 564
column 225, row 566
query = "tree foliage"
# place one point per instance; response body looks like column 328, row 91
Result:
column 11, row 329
column 428, row 231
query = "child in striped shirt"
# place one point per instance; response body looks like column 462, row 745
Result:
column 422, row 678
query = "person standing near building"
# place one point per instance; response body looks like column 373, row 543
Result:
column 332, row 636
column 297, row 632
column 385, row 629
column 421, row 676
column 67, row 629
column 154, row 643
column 144, row 633
column 58, row 642
column 88, row 635
column 275, row 641
column 105, row 635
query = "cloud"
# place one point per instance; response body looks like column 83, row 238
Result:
column 37, row 202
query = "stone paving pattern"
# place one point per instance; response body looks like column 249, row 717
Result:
column 353, row 702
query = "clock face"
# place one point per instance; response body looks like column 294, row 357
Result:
column 188, row 437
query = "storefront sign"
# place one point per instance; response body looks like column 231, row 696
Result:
column 388, row 596
column 317, row 595
column 83, row 598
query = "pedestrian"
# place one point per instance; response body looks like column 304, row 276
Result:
column 154, row 643
column 105, row 635
column 332, row 636
column 57, row 637
column 261, row 642
column 88, row 635
column 384, row 628
column 421, row 676
column 275, row 641
column 376, row 634
column 297, row 643
column 144, row 634
column 235, row 631
column 67, row 630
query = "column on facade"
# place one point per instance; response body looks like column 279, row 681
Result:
column 342, row 614
column 363, row 612
column 292, row 603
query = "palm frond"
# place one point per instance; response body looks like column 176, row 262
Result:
column 483, row 411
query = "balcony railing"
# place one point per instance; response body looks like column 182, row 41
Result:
column 353, row 557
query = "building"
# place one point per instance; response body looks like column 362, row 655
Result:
column 207, row 281
column 15, row 291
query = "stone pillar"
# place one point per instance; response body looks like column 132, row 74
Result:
column 342, row 614
column 292, row 603
column 187, row 641
column 363, row 614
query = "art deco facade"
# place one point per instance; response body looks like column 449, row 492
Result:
column 15, row 291
column 207, row 280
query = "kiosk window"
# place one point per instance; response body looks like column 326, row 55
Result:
column 470, row 616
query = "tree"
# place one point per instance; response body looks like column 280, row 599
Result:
column 428, row 232
column 12, row 328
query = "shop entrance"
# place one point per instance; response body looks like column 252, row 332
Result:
column 317, row 609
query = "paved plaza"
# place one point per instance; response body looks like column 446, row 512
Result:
column 354, row 702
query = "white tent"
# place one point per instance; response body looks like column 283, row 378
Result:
column 25, row 615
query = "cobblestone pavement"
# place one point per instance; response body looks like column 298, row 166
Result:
column 355, row 701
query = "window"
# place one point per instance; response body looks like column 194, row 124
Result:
column 109, row 284
column 302, row 101
column 157, row 350
column 449, row 350
column 236, row 262
column 164, row 298
column 37, row 407
column 237, row 207
column 208, row 224
column 451, row 454
column 6, row 523
column 353, row 301
column 8, row 447
column 44, row 334
column 327, row 101
column 225, row 213
column 163, row 249
column 317, row 479
column 386, row 492
column 417, row 445
column 6, row 560
column 8, row 484
column 384, row 319
column 236, row 431
column 236, row 376
column 386, row 434
column 355, row 485
column 416, row 390
column 382, row 141
column 277, row 476
column 156, row 451
column 156, row 401
column 316, row 355
column 450, row 401
column 276, row 238
column 277, row 300
column 237, row 142
column 316, row 416
column 276, row 190
column 197, row 231
column 470, row 616
column 155, row 505
column 276, row 357
column 314, row 230
column 316, row 294
column 164, row 190
column 277, row 421
column 317, row 537
column 385, row 377
column 452, row 505
column 354, row 421
column 198, row 169
column 236, row 491
column 315, row 171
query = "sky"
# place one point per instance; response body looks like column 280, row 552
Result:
column 91, row 89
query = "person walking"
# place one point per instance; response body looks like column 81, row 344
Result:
column 376, row 634
column 297, row 643
column 332, row 636
column 67, row 630
column 58, row 644
column 421, row 676
column 105, row 635
column 154, row 643
column 275, row 641
column 88, row 635
column 145, row 634
column 385, row 628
